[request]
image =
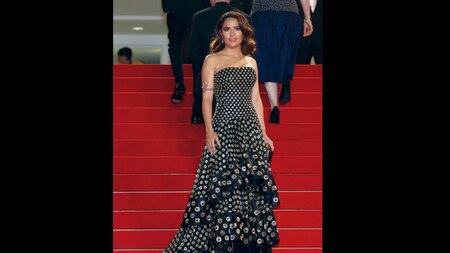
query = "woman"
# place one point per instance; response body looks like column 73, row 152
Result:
column 277, row 33
column 230, row 208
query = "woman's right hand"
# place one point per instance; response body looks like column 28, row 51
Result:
column 211, row 140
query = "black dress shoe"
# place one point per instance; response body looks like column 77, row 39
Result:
column 285, row 93
column 275, row 115
column 178, row 93
column 197, row 119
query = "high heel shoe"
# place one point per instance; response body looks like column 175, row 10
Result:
column 275, row 115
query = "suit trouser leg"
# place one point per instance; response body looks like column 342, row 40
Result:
column 176, row 26
column 197, row 90
column 317, row 49
column 305, row 51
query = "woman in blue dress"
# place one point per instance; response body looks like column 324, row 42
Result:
column 278, row 30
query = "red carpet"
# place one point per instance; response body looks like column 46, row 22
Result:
column 157, row 151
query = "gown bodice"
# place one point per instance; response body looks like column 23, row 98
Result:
column 233, row 92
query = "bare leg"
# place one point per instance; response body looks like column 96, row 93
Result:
column 272, row 93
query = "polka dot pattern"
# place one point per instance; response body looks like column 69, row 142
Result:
column 230, row 208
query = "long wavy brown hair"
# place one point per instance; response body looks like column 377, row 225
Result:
column 248, row 45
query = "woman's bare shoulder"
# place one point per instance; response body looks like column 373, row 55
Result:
column 251, row 61
column 214, row 60
column 212, row 57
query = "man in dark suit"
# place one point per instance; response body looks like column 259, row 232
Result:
column 179, row 17
column 203, row 30
column 243, row 5
column 311, row 46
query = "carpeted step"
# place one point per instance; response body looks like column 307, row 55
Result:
column 183, row 115
column 162, row 99
column 166, row 219
column 183, row 182
column 178, row 131
column 175, row 200
column 189, row 164
column 156, row 152
column 147, row 238
column 195, row 147
column 167, row 84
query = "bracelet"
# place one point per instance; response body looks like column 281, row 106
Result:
column 206, row 88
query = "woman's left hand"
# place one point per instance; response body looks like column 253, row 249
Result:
column 269, row 141
column 307, row 28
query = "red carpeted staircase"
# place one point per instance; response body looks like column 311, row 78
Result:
column 157, row 151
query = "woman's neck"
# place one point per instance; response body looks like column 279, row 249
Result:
column 233, row 52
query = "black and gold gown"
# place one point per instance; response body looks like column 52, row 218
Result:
column 230, row 208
